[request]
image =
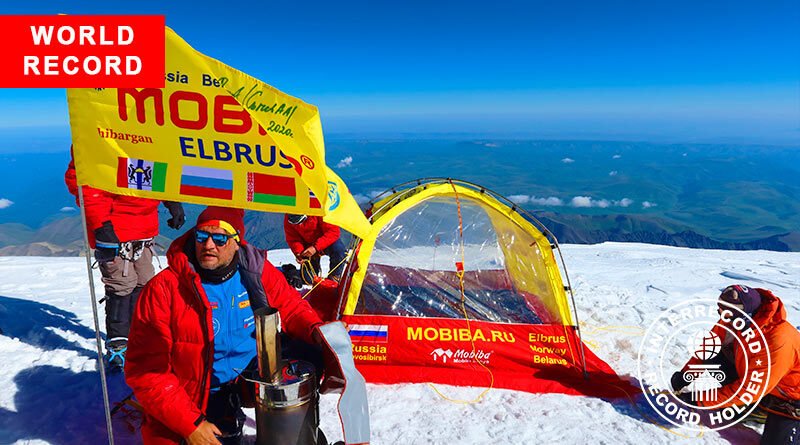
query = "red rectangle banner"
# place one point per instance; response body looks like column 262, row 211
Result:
column 99, row 51
column 527, row 357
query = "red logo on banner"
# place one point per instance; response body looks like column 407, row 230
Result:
column 98, row 51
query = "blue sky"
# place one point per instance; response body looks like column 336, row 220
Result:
column 675, row 71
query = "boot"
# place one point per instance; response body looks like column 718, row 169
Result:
column 115, row 353
column 118, row 316
column 118, row 322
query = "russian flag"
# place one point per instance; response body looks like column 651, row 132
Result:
column 313, row 202
column 369, row 332
column 207, row 182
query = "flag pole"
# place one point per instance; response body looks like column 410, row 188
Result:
column 88, row 254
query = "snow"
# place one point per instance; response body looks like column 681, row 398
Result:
column 51, row 392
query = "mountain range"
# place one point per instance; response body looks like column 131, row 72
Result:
column 64, row 237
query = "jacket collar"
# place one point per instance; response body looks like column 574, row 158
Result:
column 251, row 259
column 771, row 313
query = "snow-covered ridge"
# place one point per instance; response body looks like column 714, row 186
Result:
column 50, row 391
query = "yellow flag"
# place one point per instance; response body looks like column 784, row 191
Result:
column 342, row 209
column 213, row 135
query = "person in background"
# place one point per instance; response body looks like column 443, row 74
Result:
column 309, row 237
column 121, row 230
column 194, row 328
column 782, row 400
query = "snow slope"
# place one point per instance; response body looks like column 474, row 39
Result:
column 51, row 393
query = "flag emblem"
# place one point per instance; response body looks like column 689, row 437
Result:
column 207, row 182
column 271, row 189
column 141, row 174
column 313, row 202
column 369, row 333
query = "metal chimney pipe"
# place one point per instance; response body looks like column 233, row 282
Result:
column 268, row 344
column 287, row 399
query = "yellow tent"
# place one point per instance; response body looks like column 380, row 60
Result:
column 416, row 233
column 454, row 283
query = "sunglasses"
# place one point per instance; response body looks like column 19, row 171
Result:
column 220, row 239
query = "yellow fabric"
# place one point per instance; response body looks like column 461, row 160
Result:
column 212, row 116
column 519, row 259
column 528, row 264
column 343, row 210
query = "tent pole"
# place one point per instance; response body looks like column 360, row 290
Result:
column 574, row 311
column 351, row 255
column 88, row 254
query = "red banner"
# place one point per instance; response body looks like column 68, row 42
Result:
column 63, row 51
column 533, row 358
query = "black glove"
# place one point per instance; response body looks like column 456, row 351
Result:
column 178, row 216
column 677, row 381
column 106, row 243
column 292, row 275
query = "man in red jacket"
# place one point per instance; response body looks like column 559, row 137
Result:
column 782, row 399
column 121, row 230
column 194, row 327
column 309, row 237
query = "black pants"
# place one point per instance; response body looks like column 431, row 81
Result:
column 225, row 403
column 225, row 411
column 780, row 430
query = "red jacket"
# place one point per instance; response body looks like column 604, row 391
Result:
column 133, row 218
column 311, row 232
column 171, row 343
column 783, row 341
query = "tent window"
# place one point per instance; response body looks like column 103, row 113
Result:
column 412, row 270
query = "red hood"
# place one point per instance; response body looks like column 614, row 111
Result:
column 178, row 260
column 771, row 313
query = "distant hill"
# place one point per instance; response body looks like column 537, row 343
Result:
column 593, row 229
column 697, row 195
column 58, row 238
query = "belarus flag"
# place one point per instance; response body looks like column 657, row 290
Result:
column 271, row 189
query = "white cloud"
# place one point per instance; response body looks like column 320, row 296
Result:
column 549, row 201
column 568, row 160
column 68, row 209
column 586, row 201
column 5, row 203
column 345, row 162
column 612, row 173
column 616, row 156
column 603, row 203
column 581, row 201
column 648, row 204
